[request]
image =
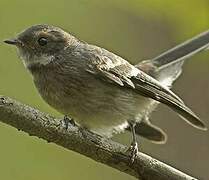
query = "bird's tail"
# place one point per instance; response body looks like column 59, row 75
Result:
column 166, row 68
column 150, row 132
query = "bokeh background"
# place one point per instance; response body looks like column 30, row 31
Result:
column 134, row 29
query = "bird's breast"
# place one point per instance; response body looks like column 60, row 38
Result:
column 94, row 104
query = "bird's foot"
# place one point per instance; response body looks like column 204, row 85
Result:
column 66, row 121
column 133, row 150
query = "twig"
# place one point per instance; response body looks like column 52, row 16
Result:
column 80, row 140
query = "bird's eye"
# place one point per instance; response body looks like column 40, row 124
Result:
column 42, row 41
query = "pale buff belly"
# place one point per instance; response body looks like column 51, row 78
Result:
column 103, row 110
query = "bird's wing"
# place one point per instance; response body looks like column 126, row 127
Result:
column 116, row 70
column 151, row 88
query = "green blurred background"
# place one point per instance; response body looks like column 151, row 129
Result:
column 134, row 29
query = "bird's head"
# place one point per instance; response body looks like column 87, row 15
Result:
column 39, row 44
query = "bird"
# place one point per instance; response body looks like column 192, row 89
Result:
column 102, row 91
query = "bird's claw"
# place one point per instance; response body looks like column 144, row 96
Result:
column 66, row 121
column 133, row 150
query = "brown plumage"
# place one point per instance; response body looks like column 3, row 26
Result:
column 100, row 90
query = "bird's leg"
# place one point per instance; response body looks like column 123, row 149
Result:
column 66, row 120
column 134, row 145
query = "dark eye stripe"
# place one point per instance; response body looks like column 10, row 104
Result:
column 42, row 41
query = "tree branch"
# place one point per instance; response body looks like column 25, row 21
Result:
column 80, row 140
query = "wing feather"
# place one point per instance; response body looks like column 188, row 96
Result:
column 116, row 70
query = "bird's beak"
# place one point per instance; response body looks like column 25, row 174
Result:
column 13, row 42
